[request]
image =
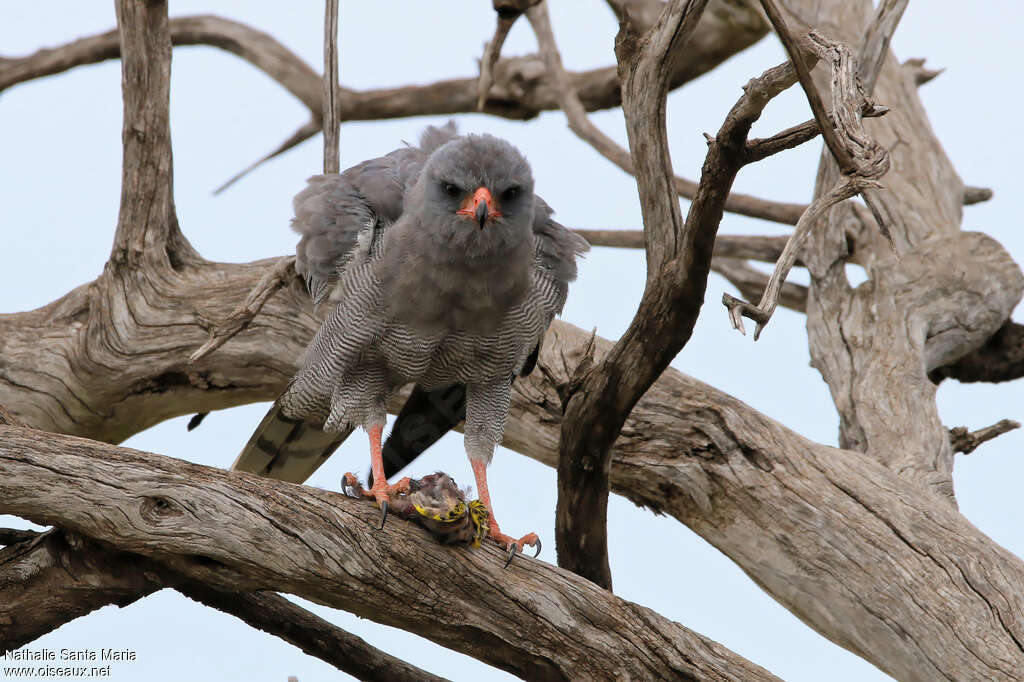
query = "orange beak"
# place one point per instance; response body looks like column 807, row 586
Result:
column 481, row 207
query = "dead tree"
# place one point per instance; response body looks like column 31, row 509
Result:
column 862, row 542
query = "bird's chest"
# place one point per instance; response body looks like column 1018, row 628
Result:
column 443, row 358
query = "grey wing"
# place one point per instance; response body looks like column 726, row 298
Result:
column 348, row 332
column 329, row 213
column 332, row 209
column 556, row 249
column 555, row 252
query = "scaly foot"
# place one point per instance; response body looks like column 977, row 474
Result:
column 512, row 544
column 380, row 491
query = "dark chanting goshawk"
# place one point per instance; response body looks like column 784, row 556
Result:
column 443, row 269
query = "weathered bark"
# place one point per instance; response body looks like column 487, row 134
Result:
column 59, row 576
column 866, row 558
column 862, row 555
column 949, row 292
column 237, row 531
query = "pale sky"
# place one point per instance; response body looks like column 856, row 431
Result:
column 60, row 156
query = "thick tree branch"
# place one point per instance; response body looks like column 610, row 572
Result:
column 12, row 536
column 678, row 258
column 234, row 530
column 686, row 445
column 51, row 579
column 59, row 576
column 147, row 227
column 875, row 47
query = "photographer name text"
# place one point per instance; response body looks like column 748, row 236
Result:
column 46, row 655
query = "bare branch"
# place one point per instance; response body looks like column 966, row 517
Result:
column 745, row 247
column 12, row 536
column 883, row 394
column 61, row 576
column 686, row 444
column 332, row 108
column 868, row 160
column 976, row 195
column 640, row 14
column 921, row 75
column 761, row 148
column 519, row 91
column 567, row 97
column 147, row 226
column 507, row 12
column 282, row 272
column 234, row 530
column 762, row 312
column 796, row 57
column 876, row 42
column 752, row 283
column 580, row 124
column 308, row 130
column 967, row 442
column 277, row 616
column 624, row 239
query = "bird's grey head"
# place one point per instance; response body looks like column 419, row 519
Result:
column 476, row 195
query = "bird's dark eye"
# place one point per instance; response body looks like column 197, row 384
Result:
column 510, row 193
column 450, row 189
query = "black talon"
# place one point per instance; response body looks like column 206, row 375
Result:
column 383, row 514
column 537, row 553
column 513, row 548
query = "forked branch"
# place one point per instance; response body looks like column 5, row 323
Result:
column 861, row 159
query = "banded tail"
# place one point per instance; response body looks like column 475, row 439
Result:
column 287, row 449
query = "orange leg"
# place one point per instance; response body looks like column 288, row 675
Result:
column 507, row 542
column 380, row 491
